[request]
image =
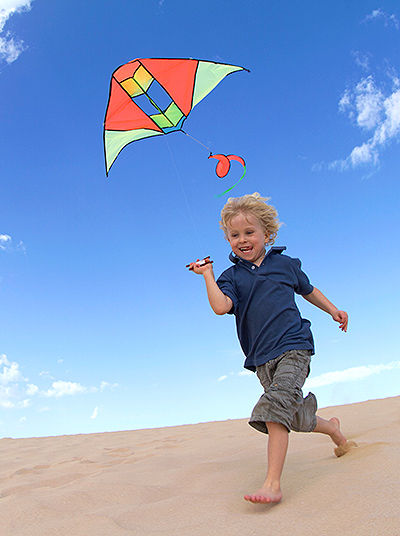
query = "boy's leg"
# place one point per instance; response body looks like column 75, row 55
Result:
column 332, row 429
column 270, row 492
column 282, row 380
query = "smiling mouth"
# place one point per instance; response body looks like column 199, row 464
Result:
column 246, row 249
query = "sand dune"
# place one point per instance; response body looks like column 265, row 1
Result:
column 190, row 480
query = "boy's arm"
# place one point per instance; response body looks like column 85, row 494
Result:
column 220, row 303
column 319, row 300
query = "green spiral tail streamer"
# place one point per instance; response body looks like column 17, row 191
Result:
column 229, row 189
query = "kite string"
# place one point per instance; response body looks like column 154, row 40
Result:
column 184, row 195
column 196, row 140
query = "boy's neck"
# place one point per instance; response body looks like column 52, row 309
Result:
column 260, row 259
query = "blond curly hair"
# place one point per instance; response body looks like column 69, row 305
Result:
column 255, row 205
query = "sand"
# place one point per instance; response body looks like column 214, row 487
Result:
column 190, row 481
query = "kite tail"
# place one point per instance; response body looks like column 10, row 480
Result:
column 229, row 189
column 223, row 165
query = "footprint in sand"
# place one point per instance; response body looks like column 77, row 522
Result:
column 26, row 471
column 120, row 452
column 367, row 449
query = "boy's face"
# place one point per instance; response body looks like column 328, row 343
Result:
column 247, row 238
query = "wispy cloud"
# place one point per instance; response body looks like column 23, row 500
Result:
column 379, row 14
column 374, row 110
column 339, row 376
column 6, row 242
column 11, row 48
column 11, row 396
column 362, row 60
column 15, row 388
column 108, row 385
column 350, row 374
column 10, row 372
column 241, row 373
column 32, row 389
column 62, row 388
column 95, row 413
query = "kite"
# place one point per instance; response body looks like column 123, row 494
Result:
column 151, row 97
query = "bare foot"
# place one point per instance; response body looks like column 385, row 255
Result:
column 265, row 496
column 343, row 446
column 337, row 436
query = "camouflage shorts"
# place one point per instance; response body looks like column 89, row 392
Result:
column 282, row 401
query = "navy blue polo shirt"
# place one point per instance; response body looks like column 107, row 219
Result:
column 267, row 318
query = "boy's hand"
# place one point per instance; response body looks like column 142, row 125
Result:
column 341, row 317
column 200, row 267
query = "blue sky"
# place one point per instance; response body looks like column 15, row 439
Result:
column 101, row 326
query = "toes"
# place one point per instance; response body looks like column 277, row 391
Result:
column 258, row 499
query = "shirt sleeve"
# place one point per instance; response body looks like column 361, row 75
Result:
column 302, row 285
column 227, row 285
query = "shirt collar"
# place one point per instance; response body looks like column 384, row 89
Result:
column 274, row 250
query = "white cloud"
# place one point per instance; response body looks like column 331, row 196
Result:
column 11, row 394
column 14, row 388
column 107, row 385
column 4, row 240
column 32, row 389
column 95, row 413
column 349, row 375
column 368, row 107
column 4, row 360
column 61, row 388
column 340, row 376
column 389, row 20
column 46, row 374
column 11, row 48
column 241, row 373
column 362, row 60
column 365, row 103
column 21, row 247
column 10, row 372
column 6, row 396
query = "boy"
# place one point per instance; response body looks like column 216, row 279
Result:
column 259, row 290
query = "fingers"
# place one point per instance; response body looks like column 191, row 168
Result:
column 191, row 266
column 343, row 319
column 198, row 265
